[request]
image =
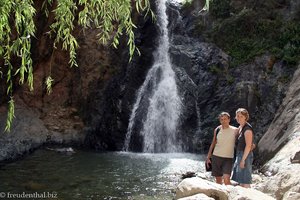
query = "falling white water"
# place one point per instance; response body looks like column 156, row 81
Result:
column 159, row 129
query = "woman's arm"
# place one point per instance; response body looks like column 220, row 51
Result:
column 249, row 140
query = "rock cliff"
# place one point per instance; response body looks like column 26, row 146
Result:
column 94, row 101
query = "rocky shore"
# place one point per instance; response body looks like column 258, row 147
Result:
column 196, row 188
column 278, row 177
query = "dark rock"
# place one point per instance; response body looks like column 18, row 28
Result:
column 206, row 83
column 188, row 175
column 296, row 158
column 66, row 150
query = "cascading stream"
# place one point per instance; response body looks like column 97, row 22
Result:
column 164, row 107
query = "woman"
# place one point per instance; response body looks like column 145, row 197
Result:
column 242, row 170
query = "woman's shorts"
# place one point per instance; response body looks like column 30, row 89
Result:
column 243, row 176
column 221, row 166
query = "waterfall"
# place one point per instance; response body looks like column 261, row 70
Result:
column 164, row 107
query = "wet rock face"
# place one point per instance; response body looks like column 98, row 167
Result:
column 29, row 132
column 96, row 99
column 108, row 110
column 206, row 83
column 208, row 86
column 90, row 99
column 42, row 118
column 285, row 124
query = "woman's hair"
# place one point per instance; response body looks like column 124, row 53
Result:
column 224, row 114
column 244, row 112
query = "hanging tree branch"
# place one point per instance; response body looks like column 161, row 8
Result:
column 111, row 17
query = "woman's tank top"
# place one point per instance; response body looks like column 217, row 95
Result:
column 241, row 143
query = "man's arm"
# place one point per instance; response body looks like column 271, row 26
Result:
column 236, row 131
column 212, row 145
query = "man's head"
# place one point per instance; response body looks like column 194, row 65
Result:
column 224, row 118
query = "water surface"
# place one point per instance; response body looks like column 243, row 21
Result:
column 90, row 175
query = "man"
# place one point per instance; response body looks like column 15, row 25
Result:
column 221, row 151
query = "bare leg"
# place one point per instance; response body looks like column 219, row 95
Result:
column 219, row 179
column 246, row 185
column 226, row 179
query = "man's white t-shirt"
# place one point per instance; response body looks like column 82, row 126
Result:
column 225, row 143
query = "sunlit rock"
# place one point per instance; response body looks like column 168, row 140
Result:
column 238, row 192
column 197, row 197
column 195, row 185
column 191, row 186
column 282, row 140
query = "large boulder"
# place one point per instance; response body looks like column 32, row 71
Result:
column 281, row 143
column 29, row 132
column 282, row 177
column 195, row 185
column 190, row 187
column 200, row 196
column 285, row 123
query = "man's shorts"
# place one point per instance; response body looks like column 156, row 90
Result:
column 221, row 166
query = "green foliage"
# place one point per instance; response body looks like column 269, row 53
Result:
column 289, row 43
column 220, row 8
column 215, row 69
column 19, row 46
column 49, row 82
column 249, row 34
column 252, row 32
column 187, row 3
column 11, row 114
column 206, row 5
column 230, row 79
column 63, row 27
column 111, row 17
column 284, row 79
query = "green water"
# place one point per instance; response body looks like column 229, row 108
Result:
column 90, row 175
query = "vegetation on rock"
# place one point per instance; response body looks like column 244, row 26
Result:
column 18, row 27
column 253, row 30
